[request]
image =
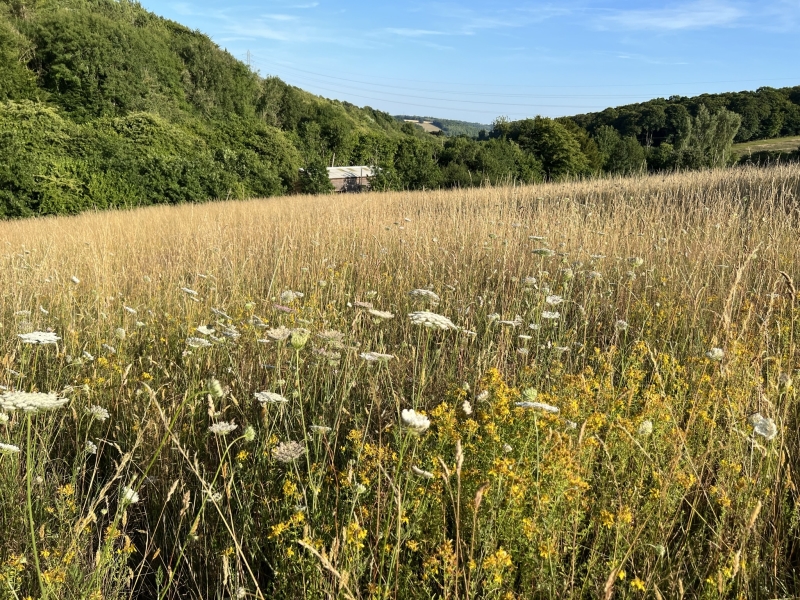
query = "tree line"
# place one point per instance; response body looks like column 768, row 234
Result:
column 103, row 104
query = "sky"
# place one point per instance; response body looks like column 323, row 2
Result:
column 476, row 61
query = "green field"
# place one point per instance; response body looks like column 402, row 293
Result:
column 784, row 144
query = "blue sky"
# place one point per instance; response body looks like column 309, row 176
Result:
column 479, row 60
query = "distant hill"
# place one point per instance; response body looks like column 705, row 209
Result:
column 450, row 127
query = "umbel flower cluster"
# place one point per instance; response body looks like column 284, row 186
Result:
column 432, row 320
column 30, row 402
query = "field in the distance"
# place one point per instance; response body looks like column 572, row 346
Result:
column 601, row 374
column 784, row 144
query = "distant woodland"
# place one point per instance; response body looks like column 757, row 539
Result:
column 103, row 104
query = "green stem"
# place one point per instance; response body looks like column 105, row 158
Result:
column 28, row 477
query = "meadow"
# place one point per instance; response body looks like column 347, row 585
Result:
column 567, row 390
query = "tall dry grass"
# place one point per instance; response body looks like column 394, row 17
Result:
column 502, row 501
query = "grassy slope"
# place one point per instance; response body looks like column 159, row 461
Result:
column 784, row 144
column 584, row 503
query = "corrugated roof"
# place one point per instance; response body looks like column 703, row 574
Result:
column 347, row 172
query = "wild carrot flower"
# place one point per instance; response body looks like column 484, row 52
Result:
column 189, row 291
column 550, row 315
column 289, row 296
column 416, row 422
column 375, row 356
column 30, row 401
column 196, row 342
column 90, row 447
column 553, row 300
column 715, row 354
column 279, row 334
column 39, row 337
column 431, row 320
column 215, row 388
column 129, row 309
column 381, row 314
column 484, row 395
column 516, row 322
column 466, row 407
column 763, row 426
column 594, row 275
column 120, row 333
column 270, row 397
column 538, row 406
column 129, row 496
column 8, row 448
column 425, row 295
column 645, row 428
column 621, row 325
column 205, row 330
column 320, row 429
column 249, row 433
column 635, row 261
column 98, row 413
column 4, row 418
column 287, row 452
column 542, row 252
column 222, row 428
column 299, row 338
column 421, row 472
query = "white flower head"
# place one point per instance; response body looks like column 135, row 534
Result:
column 554, row 300
column 621, row 325
column 381, row 314
column 416, row 422
column 321, row 429
column 98, row 413
column 31, row 402
column 763, row 426
column 425, row 295
column 484, row 395
column 270, row 398
column 222, row 428
column 8, row 449
column 538, row 406
column 249, row 433
column 551, row 315
column 287, row 452
column 421, row 472
column 120, row 333
column 543, row 252
column 205, row 330
column 279, row 334
column 196, row 342
column 129, row 310
column 129, row 496
column 432, row 320
column 90, row 447
column 715, row 354
column 39, row 337
column 74, row 280
column 466, row 407
column 4, row 418
column 645, row 428
column 376, row 356
column 289, row 296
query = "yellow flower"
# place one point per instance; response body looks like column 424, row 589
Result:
column 637, row 584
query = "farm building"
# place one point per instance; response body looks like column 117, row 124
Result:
column 350, row 179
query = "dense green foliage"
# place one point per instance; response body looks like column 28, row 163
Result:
column 103, row 104
column 452, row 127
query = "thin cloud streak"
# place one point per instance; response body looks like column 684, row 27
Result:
column 694, row 15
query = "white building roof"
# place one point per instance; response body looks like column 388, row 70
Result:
column 347, row 172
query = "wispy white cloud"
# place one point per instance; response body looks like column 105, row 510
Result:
column 279, row 17
column 413, row 32
column 693, row 15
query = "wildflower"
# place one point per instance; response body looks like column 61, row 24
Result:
column 221, row 313
column 553, row 300
column 215, row 388
column 542, row 252
column 523, row 351
column 4, row 418
column 358, row 304
column 484, row 395
column 375, row 356
column 120, row 333
column 110, row 349
column 270, row 397
column 39, row 337
column 289, row 296
column 249, row 433
column 8, row 448
column 763, row 426
column 90, row 447
column 30, row 401
column 534, row 326
column 222, row 428
column 129, row 496
column 87, row 356
column 140, row 323
column 189, row 291
column 621, row 325
column 716, row 354
column 529, row 281
column 638, row 585
column 320, row 429
column 507, row 448
column 646, row 427
column 416, row 422
column 550, row 315
column 229, row 331
column 205, row 330
column 129, row 309
column 98, row 413
column 424, row 294
column 594, row 275
column 279, row 334
column 380, row 314
column 635, row 261
column 299, row 338
column 287, row 452
column 74, row 280
column 567, row 273
column 22, row 313
column 537, row 238
column 422, row 473
column 515, row 323
column 524, row 337
column 466, row 407
column 360, row 489
column 196, row 342
column 431, row 320
column 538, row 406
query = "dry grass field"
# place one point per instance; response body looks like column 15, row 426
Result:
column 577, row 390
